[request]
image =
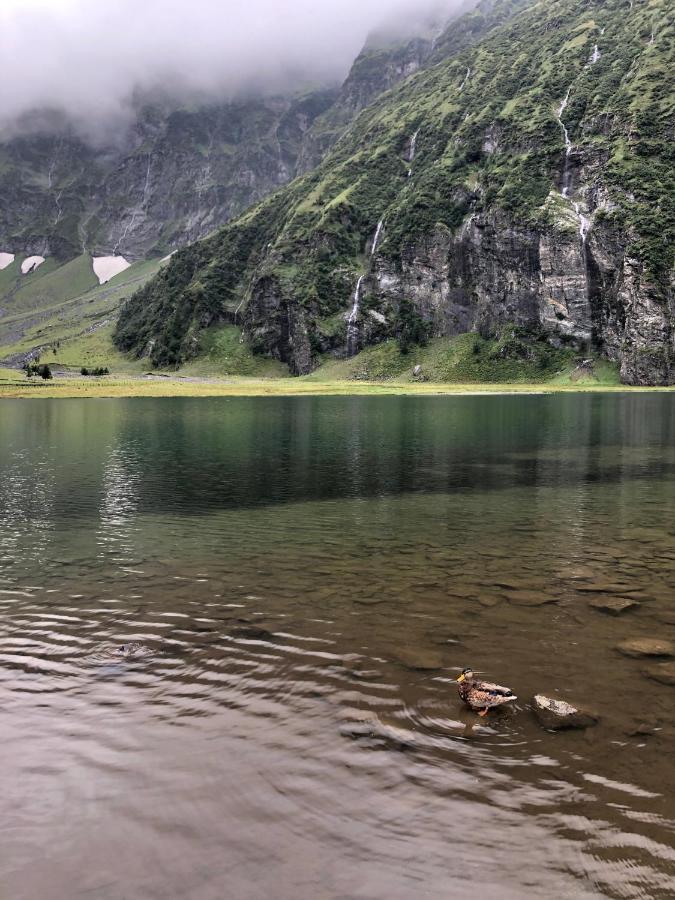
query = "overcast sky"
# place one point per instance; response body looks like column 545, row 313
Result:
column 86, row 56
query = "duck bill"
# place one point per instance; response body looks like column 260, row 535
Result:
column 461, row 677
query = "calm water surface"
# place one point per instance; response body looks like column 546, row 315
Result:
column 310, row 574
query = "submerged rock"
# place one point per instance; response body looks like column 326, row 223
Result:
column 489, row 602
column 359, row 724
column 132, row 650
column 556, row 715
column 663, row 672
column 252, row 633
column 371, row 601
column 530, row 598
column 613, row 606
column 420, row 660
column 639, row 647
column 607, row 587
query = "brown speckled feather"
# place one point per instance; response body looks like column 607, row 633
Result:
column 484, row 694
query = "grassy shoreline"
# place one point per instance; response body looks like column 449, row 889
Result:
column 16, row 386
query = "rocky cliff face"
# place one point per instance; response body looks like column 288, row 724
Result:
column 522, row 182
column 173, row 177
column 494, row 274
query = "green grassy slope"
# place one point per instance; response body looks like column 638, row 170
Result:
column 64, row 307
column 469, row 359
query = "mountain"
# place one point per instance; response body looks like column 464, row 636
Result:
column 178, row 171
column 175, row 175
column 518, row 187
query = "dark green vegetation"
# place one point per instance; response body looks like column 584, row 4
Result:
column 480, row 236
column 42, row 370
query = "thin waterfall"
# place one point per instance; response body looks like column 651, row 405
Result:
column 568, row 145
column 378, row 232
column 595, row 56
column 561, row 110
column 584, row 222
column 50, row 184
column 411, row 153
column 352, row 327
column 140, row 207
column 466, row 78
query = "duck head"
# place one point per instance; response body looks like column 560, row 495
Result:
column 465, row 675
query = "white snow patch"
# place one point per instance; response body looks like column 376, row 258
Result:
column 31, row 263
column 106, row 267
column 6, row 259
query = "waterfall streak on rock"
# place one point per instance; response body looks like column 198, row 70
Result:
column 568, row 145
column 236, row 312
column 413, row 147
column 50, row 183
column 136, row 210
column 466, row 78
column 561, row 110
column 584, row 222
column 352, row 328
column 378, row 232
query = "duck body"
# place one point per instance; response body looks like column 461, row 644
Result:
column 481, row 696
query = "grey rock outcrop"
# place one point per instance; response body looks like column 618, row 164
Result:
column 558, row 715
column 494, row 272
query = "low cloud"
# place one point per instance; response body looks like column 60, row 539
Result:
column 88, row 59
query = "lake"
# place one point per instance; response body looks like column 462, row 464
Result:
column 306, row 577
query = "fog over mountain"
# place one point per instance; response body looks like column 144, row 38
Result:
column 88, row 60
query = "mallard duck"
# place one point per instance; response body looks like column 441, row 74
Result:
column 481, row 696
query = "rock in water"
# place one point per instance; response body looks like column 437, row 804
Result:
column 614, row 606
column 556, row 715
column 529, row 598
column 252, row 633
column 663, row 672
column 639, row 647
column 132, row 650
column 420, row 660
